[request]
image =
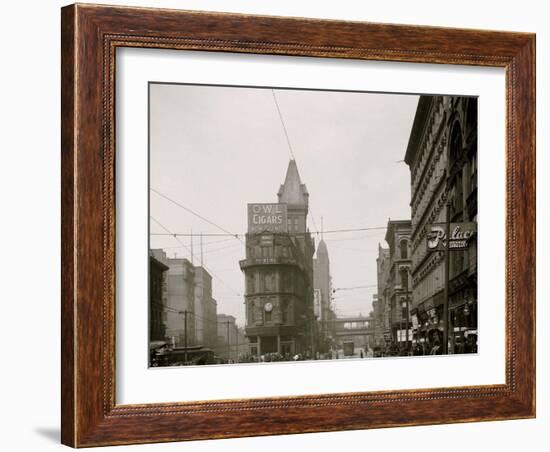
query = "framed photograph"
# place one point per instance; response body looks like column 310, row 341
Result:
column 281, row 225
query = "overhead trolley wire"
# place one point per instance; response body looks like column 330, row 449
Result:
column 187, row 209
column 333, row 231
column 283, row 123
column 291, row 151
column 168, row 232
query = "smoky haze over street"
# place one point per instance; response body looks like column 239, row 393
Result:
column 214, row 150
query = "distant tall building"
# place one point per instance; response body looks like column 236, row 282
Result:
column 157, row 299
column 322, row 284
column 180, row 304
column 278, row 272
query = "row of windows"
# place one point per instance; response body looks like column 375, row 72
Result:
column 262, row 252
column 273, row 281
column 438, row 112
column 256, row 312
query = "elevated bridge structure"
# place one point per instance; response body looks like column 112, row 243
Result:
column 354, row 326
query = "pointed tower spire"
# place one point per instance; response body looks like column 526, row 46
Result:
column 293, row 192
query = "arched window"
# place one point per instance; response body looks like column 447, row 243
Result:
column 403, row 245
column 455, row 145
column 404, row 279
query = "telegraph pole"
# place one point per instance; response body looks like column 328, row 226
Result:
column 236, row 344
column 446, row 294
column 228, row 343
column 185, row 336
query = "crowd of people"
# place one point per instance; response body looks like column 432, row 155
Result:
column 434, row 347
column 275, row 357
column 162, row 356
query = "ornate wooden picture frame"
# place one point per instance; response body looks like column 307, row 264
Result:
column 90, row 37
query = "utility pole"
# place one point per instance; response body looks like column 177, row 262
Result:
column 228, row 343
column 185, row 336
column 236, row 344
column 446, row 293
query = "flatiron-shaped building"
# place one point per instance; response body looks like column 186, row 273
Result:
column 278, row 273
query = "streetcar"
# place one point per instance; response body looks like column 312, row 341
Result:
column 349, row 348
column 192, row 355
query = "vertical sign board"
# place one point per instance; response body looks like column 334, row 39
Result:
column 460, row 233
column 264, row 217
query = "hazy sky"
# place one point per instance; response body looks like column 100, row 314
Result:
column 215, row 149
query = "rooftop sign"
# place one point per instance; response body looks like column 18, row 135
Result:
column 264, row 217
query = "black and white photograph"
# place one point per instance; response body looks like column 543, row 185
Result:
column 256, row 225
column 294, row 225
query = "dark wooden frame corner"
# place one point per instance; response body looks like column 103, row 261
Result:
column 90, row 35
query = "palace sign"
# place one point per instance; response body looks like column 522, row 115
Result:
column 461, row 233
column 267, row 218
